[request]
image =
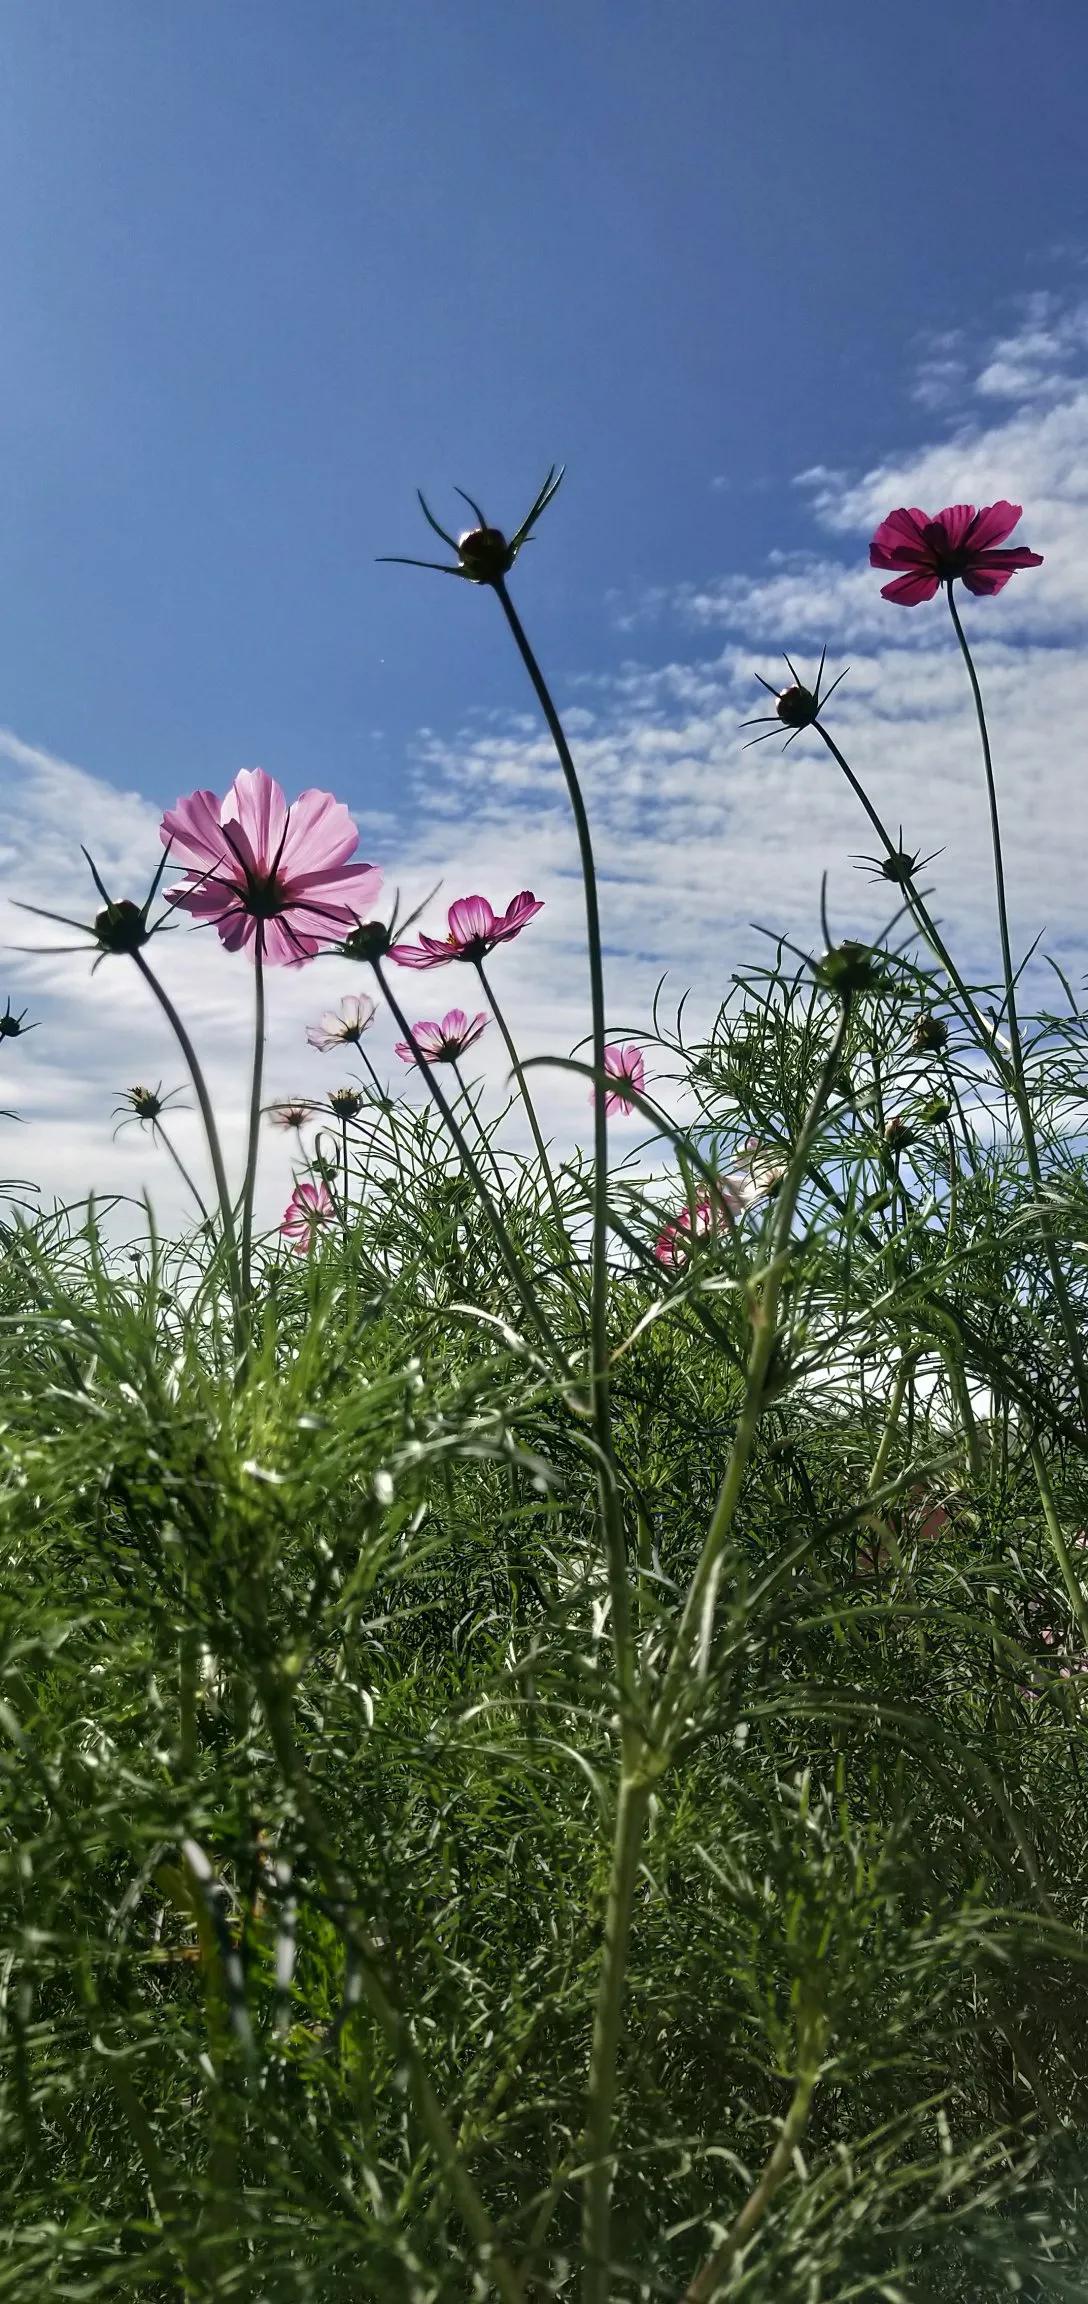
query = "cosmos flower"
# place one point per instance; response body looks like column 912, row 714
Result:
column 269, row 877
column 291, row 1114
column 933, row 549
column 343, row 1026
column 626, row 1067
column 474, row 930
column 733, row 1194
column 309, row 1208
column 442, row 1043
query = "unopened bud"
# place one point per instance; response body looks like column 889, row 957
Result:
column 347, row 1103
column 930, row 1034
column 484, row 554
column 897, row 1133
column 797, row 707
column 370, row 940
column 121, row 927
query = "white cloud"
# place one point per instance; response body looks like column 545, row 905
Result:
column 696, row 836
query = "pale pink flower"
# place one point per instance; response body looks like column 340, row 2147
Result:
column 442, row 1043
column 309, row 1208
column 733, row 1194
column 474, row 928
column 626, row 1067
column 291, row 1114
column 934, row 548
column 343, row 1025
column 275, row 878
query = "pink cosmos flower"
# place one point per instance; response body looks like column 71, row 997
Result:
column 442, row 1043
column 733, row 1194
column 935, row 548
column 308, row 1209
column 626, row 1067
column 344, row 1025
column 268, row 876
column 474, row 931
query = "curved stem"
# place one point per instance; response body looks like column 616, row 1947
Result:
column 495, row 1224
column 610, row 1507
column 523, row 1085
column 159, row 1131
column 253, row 1145
column 207, row 1114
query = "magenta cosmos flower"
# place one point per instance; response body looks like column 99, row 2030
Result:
column 475, row 929
column 309, row 1208
column 442, row 1043
column 625, row 1066
column 933, row 548
column 275, row 878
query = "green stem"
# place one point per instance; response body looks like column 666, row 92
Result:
column 611, row 1511
column 471, row 1106
column 631, row 1810
column 907, row 1361
column 207, row 1114
column 344, row 1160
column 707, row 2282
column 159, row 1131
column 1019, row 1079
column 696, row 1623
column 1062, row 1554
column 523, row 1085
column 494, row 1221
column 395, row 2027
column 253, row 1145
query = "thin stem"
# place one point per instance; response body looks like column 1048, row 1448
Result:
column 1062, row 1554
column 609, row 1497
column 523, row 1085
column 907, row 1361
column 917, row 902
column 397, row 2030
column 344, row 1157
column 695, row 1629
column 253, row 1146
column 159, row 1132
column 631, row 1809
column 471, row 1104
column 207, row 1114
column 495, row 1224
column 707, row 2281
column 1019, row 1080
column 385, row 1106
column 696, row 1622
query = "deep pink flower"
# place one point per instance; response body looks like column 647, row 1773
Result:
column 959, row 541
column 265, row 875
column 308, row 1209
column 442, row 1043
column 474, row 931
column 674, row 1243
column 625, row 1066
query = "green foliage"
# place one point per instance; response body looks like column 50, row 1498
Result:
column 308, row 1719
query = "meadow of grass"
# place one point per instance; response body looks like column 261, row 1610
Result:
column 541, row 1710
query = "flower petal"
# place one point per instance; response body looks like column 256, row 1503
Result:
column 951, row 526
column 257, row 803
column 907, row 591
column 471, row 919
column 993, row 523
column 518, row 913
column 194, row 833
column 321, row 835
column 986, row 581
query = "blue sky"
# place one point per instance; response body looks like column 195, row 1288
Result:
column 266, row 267
column 755, row 271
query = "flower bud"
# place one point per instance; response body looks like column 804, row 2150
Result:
column 484, row 554
column 370, row 940
column 347, row 1103
column 897, row 1133
column 121, row 927
column 930, row 1034
column 900, row 867
column 796, row 707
